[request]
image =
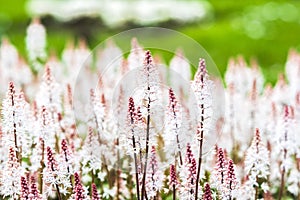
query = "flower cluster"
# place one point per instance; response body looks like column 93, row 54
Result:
column 152, row 143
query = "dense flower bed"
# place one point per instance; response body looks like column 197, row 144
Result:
column 137, row 150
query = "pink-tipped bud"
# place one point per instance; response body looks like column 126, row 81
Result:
column 64, row 146
column 48, row 74
column 79, row 191
column 24, row 189
column 33, row 189
column 11, row 93
column 95, row 194
column 221, row 164
column 172, row 101
column 207, row 193
column 148, row 58
column 131, row 110
column 173, row 176
column 189, row 154
column 76, row 179
column 201, row 72
column 70, row 96
column 51, row 159
column 231, row 179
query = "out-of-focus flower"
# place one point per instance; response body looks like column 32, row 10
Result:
column 179, row 69
column 135, row 58
column 36, row 44
column 49, row 94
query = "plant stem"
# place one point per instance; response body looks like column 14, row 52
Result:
column 200, row 151
column 136, row 165
column 16, row 140
column 177, row 137
column 118, row 170
column 147, row 147
column 298, row 167
column 174, row 192
column 68, row 169
column 42, row 166
column 58, row 193
column 179, row 152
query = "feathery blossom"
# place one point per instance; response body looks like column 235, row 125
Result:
column 202, row 89
column 56, row 175
column 154, row 177
column 219, row 173
column 25, row 124
column 66, row 155
column 65, row 168
column 286, row 145
column 286, row 138
column 149, row 80
column 37, row 155
column 8, row 62
column 51, row 166
column 49, row 94
column 173, row 121
column 135, row 58
column 134, row 118
column 257, row 163
column 17, row 122
column 257, row 158
column 110, row 73
column 36, row 43
column 41, row 136
column 68, row 120
column 231, row 183
column 188, row 176
column 91, row 153
column 179, row 68
column 46, row 128
column 98, row 111
column 12, row 116
column 10, row 180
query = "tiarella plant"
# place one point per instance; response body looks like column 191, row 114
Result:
column 151, row 142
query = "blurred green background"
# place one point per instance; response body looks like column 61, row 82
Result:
column 259, row 29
